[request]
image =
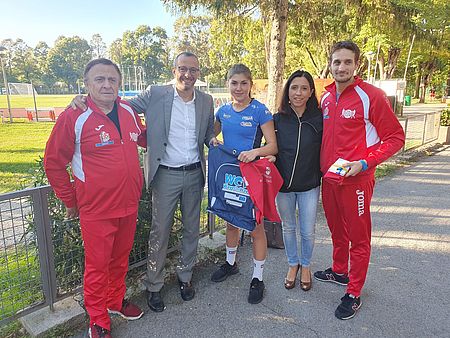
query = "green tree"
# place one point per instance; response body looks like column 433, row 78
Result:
column 274, row 19
column 67, row 59
column 98, row 46
column 254, row 48
column 44, row 77
column 115, row 51
column 147, row 48
column 7, row 55
column 429, row 21
column 21, row 63
column 192, row 34
column 226, row 46
column 230, row 44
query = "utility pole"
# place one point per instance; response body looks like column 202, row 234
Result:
column 5, row 81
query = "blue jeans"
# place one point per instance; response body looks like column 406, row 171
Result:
column 303, row 222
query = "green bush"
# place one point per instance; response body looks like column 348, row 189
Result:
column 445, row 117
column 66, row 237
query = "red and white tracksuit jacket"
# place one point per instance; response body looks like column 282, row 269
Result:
column 359, row 126
column 105, row 167
column 106, row 189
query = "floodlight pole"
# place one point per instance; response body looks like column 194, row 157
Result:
column 5, row 81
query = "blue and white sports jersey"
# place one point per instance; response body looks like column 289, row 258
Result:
column 228, row 197
column 241, row 130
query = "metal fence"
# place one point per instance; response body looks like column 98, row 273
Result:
column 420, row 129
column 41, row 254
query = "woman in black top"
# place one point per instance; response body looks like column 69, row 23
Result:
column 298, row 127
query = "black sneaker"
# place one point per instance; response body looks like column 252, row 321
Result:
column 330, row 276
column 224, row 271
column 256, row 293
column 348, row 307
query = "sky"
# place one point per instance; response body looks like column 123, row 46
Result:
column 45, row 20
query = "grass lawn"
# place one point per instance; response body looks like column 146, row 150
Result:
column 20, row 280
column 21, row 143
column 44, row 101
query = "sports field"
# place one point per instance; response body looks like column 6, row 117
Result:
column 21, row 144
column 25, row 101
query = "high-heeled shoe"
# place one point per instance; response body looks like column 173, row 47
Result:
column 306, row 286
column 290, row 284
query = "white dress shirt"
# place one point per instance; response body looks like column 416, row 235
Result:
column 182, row 146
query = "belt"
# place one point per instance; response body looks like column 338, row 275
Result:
column 183, row 167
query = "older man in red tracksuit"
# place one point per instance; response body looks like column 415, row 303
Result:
column 360, row 128
column 101, row 146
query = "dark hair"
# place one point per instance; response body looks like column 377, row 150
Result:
column 311, row 104
column 350, row 45
column 187, row 54
column 101, row 61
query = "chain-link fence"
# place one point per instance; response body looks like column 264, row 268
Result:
column 23, row 262
column 41, row 253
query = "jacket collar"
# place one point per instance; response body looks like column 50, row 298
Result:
column 332, row 87
column 307, row 115
column 95, row 108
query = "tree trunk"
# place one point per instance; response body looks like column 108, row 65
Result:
column 381, row 67
column 417, row 87
column 325, row 72
column 427, row 69
column 316, row 68
column 447, row 92
column 277, row 52
column 393, row 56
column 422, row 90
column 266, row 40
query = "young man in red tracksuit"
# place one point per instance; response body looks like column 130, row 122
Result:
column 359, row 127
column 101, row 146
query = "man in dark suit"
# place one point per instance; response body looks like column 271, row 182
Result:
column 179, row 120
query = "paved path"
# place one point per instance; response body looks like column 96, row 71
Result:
column 407, row 292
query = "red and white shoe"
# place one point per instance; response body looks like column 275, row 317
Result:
column 128, row 311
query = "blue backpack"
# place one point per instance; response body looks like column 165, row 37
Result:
column 228, row 197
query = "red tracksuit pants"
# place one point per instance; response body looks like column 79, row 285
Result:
column 107, row 245
column 347, row 209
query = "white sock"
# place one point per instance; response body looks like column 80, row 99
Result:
column 258, row 267
column 231, row 254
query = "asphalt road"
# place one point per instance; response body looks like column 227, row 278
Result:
column 407, row 293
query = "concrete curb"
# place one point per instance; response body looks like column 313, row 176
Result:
column 67, row 313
